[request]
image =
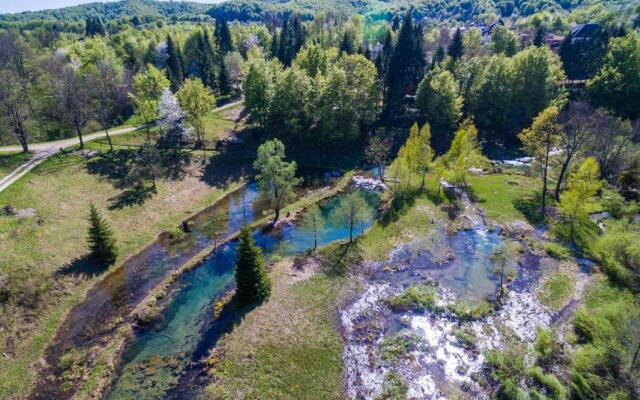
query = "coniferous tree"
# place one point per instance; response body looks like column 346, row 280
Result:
column 252, row 281
column 406, row 65
column 224, row 81
column 456, row 48
column 292, row 37
column 101, row 241
column 538, row 40
column 174, row 65
column 223, row 37
column 438, row 57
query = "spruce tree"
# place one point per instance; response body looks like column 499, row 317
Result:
column 223, row 37
column 224, row 81
column 456, row 48
column 538, row 40
column 174, row 65
column 101, row 241
column 252, row 281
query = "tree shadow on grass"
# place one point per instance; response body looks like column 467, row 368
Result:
column 116, row 167
column 529, row 206
column 137, row 195
column 85, row 267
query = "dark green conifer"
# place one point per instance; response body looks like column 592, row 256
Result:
column 252, row 281
column 223, row 37
column 174, row 65
column 101, row 241
column 538, row 40
column 456, row 48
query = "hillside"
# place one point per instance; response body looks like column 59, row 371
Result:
column 111, row 11
column 253, row 10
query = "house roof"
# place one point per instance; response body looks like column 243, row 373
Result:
column 584, row 30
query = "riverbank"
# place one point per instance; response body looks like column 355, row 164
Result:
column 44, row 272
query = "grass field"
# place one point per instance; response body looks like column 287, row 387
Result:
column 37, row 250
column 503, row 196
column 11, row 161
column 288, row 348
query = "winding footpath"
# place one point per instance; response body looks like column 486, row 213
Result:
column 44, row 150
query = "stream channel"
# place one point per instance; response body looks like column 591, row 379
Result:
column 437, row 354
column 156, row 360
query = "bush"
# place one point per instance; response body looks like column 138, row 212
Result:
column 549, row 382
column 397, row 347
column 471, row 312
column 557, row 251
column 395, row 388
column 556, row 290
column 415, row 298
column 618, row 250
column 546, row 349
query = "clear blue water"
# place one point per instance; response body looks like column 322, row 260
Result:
column 154, row 361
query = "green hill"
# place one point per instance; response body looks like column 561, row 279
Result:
column 113, row 10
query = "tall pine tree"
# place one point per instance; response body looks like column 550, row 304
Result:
column 175, row 68
column 101, row 241
column 456, row 48
column 223, row 37
column 252, row 281
column 406, row 66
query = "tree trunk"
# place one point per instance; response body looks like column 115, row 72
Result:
column 106, row 131
column 424, row 176
column 79, row 133
column 563, row 170
column 635, row 358
column 544, row 180
column 351, row 230
column 22, row 138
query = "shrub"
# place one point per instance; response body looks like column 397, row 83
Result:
column 419, row 297
column 398, row 346
column 549, row 382
column 556, row 290
column 395, row 388
column 546, row 348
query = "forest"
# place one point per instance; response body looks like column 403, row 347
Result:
column 321, row 199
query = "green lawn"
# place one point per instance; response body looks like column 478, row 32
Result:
column 11, row 161
column 287, row 348
column 499, row 195
column 34, row 250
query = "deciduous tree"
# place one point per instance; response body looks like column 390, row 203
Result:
column 539, row 140
column 197, row 101
column 276, row 177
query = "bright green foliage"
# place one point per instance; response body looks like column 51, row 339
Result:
column 575, row 225
column 316, row 60
column 617, row 85
column 463, row 154
column 492, row 98
column 506, row 367
column 416, row 154
column 258, row 88
column 351, row 210
column 415, row 298
column 147, row 89
column 252, row 280
column 276, row 177
column 438, row 97
column 549, row 382
column 539, row 140
column 197, row 101
column 618, row 250
column 546, row 348
column 101, row 241
column 606, row 325
column 503, row 41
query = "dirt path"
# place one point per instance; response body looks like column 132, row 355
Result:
column 45, row 150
